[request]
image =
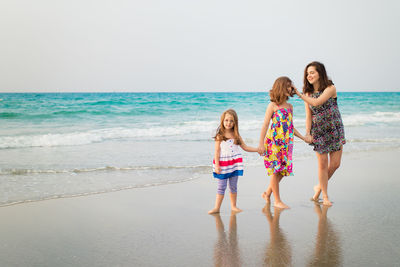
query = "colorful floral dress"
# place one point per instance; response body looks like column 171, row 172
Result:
column 279, row 143
column 230, row 160
column 327, row 126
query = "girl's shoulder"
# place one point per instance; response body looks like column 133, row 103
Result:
column 272, row 106
column 219, row 138
column 275, row 107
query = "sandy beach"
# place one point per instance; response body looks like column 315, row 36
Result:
column 169, row 226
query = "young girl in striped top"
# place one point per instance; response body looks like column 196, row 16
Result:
column 228, row 162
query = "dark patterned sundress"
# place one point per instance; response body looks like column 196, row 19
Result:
column 327, row 126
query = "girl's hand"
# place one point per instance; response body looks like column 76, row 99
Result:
column 261, row 150
column 308, row 139
column 217, row 169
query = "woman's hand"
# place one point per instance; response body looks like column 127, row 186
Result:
column 308, row 139
column 296, row 91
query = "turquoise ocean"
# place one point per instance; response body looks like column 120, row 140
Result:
column 70, row 144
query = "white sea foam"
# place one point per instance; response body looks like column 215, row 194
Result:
column 348, row 120
column 100, row 135
column 6, row 171
column 373, row 118
column 182, row 129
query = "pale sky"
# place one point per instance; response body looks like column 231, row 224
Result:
column 195, row 45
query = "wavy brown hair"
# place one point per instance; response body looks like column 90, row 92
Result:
column 324, row 81
column 220, row 133
column 279, row 92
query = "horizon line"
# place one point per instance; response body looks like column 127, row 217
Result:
column 157, row 92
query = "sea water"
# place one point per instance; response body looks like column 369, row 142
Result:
column 70, row 144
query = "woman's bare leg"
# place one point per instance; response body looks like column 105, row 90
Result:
column 323, row 177
column 334, row 163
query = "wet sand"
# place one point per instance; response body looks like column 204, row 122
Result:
column 169, row 225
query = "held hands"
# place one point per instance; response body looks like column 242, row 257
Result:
column 308, row 139
column 261, row 150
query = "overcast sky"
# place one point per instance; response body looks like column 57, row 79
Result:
column 195, row 45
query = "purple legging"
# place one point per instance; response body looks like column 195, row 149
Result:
column 222, row 183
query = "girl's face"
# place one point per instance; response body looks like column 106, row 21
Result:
column 229, row 122
column 312, row 75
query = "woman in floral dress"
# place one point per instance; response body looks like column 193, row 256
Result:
column 324, row 124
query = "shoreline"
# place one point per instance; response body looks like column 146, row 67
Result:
column 248, row 166
column 169, row 225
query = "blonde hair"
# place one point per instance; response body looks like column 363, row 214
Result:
column 220, row 133
column 278, row 93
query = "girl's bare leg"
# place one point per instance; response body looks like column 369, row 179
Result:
column 323, row 176
column 218, row 202
column 233, row 202
column 334, row 163
column 267, row 193
column 274, row 184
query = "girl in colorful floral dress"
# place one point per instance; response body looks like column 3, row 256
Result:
column 228, row 162
column 323, row 124
column 277, row 143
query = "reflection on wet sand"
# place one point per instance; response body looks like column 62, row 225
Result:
column 278, row 251
column 226, row 250
column 327, row 246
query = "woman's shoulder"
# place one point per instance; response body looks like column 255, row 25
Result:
column 331, row 88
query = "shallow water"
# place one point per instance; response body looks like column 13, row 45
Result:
column 66, row 144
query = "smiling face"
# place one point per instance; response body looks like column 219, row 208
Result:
column 229, row 122
column 312, row 75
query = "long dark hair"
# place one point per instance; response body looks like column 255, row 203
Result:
column 324, row 81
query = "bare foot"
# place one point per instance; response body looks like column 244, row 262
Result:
column 281, row 205
column 213, row 211
column 317, row 192
column 266, row 197
column 236, row 209
column 326, row 202
column 317, row 201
